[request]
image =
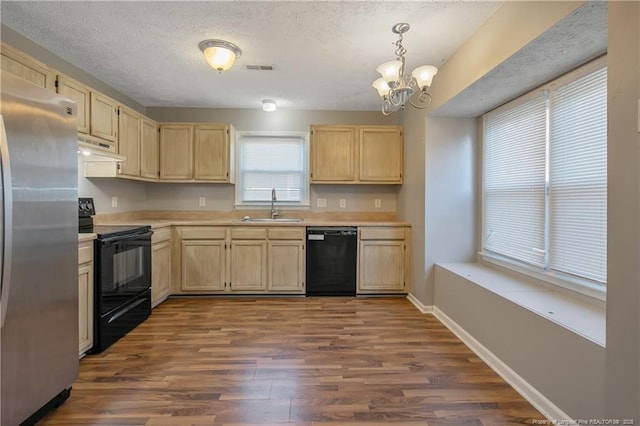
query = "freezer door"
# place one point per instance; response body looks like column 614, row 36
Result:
column 39, row 346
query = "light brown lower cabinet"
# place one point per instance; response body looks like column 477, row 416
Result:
column 241, row 260
column 85, row 296
column 383, row 260
column 160, row 265
column 271, row 260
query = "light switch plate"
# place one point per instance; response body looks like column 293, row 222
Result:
column 202, row 201
column 378, row 203
column 321, row 202
column 114, row 201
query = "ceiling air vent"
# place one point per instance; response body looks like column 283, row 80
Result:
column 260, row 67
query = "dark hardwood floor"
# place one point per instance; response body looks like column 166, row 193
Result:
column 294, row 361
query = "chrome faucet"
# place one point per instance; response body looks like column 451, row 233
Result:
column 274, row 212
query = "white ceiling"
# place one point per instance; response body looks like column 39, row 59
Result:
column 324, row 54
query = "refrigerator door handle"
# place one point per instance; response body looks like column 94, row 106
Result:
column 6, row 209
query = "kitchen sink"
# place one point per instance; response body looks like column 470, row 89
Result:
column 276, row 220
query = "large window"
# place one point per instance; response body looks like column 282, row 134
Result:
column 268, row 161
column 545, row 179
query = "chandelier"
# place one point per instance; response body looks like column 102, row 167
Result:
column 395, row 88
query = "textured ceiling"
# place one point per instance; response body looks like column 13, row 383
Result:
column 576, row 39
column 324, row 54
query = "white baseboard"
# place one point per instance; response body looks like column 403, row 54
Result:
column 425, row 309
column 528, row 392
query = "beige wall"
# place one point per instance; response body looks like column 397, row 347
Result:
column 623, row 156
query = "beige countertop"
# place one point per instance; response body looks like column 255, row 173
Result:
column 235, row 219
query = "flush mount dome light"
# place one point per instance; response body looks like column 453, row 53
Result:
column 220, row 54
column 269, row 105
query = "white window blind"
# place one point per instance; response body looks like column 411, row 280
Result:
column 545, row 178
column 514, row 182
column 578, row 178
column 267, row 162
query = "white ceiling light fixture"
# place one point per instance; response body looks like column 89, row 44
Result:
column 269, row 105
column 220, row 54
column 395, row 88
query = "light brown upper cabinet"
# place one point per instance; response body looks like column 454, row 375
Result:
column 24, row 66
column 130, row 131
column 195, row 152
column 149, row 150
column 80, row 94
column 104, row 117
column 176, row 151
column 356, row 154
column 333, row 152
column 211, row 153
column 381, row 154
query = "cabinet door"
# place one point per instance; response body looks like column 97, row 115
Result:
column 381, row 266
column 81, row 95
column 286, row 266
column 381, row 154
column 104, row 117
column 211, row 146
column 248, row 266
column 129, row 128
column 160, row 272
column 17, row 63
column 149, row 149
column 85, row 307
column 176, row 152
column 333, row 151
column 203, row 265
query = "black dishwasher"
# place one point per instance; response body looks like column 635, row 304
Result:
column 331, row 261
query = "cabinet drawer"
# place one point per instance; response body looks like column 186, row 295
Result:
column 248, row 234
column 85, row 253
column 162, row 234
column 382, row 233
column 203, row 233
column 286, row 233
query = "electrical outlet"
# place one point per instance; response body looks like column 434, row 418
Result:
column 114, row 201
column 377, row 203
column 343, row 203
column 202, row 201
column 321, row 202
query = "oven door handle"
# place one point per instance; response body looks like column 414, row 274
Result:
column 117, row 239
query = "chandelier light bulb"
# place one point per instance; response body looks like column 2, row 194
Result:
column 381, row 86
column 424, row 75
column 390, row 70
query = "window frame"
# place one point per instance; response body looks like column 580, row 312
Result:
column 304, row 203
column 570, row 282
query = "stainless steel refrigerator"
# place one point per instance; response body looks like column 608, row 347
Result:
column 38, row 250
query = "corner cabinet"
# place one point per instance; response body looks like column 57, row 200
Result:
column 195, row 152
column 85, row 296
column 383, row 259
column 356, row 154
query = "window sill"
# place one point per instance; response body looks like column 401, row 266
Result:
column 581, row 315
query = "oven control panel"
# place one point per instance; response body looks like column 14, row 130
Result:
column 85, row 207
